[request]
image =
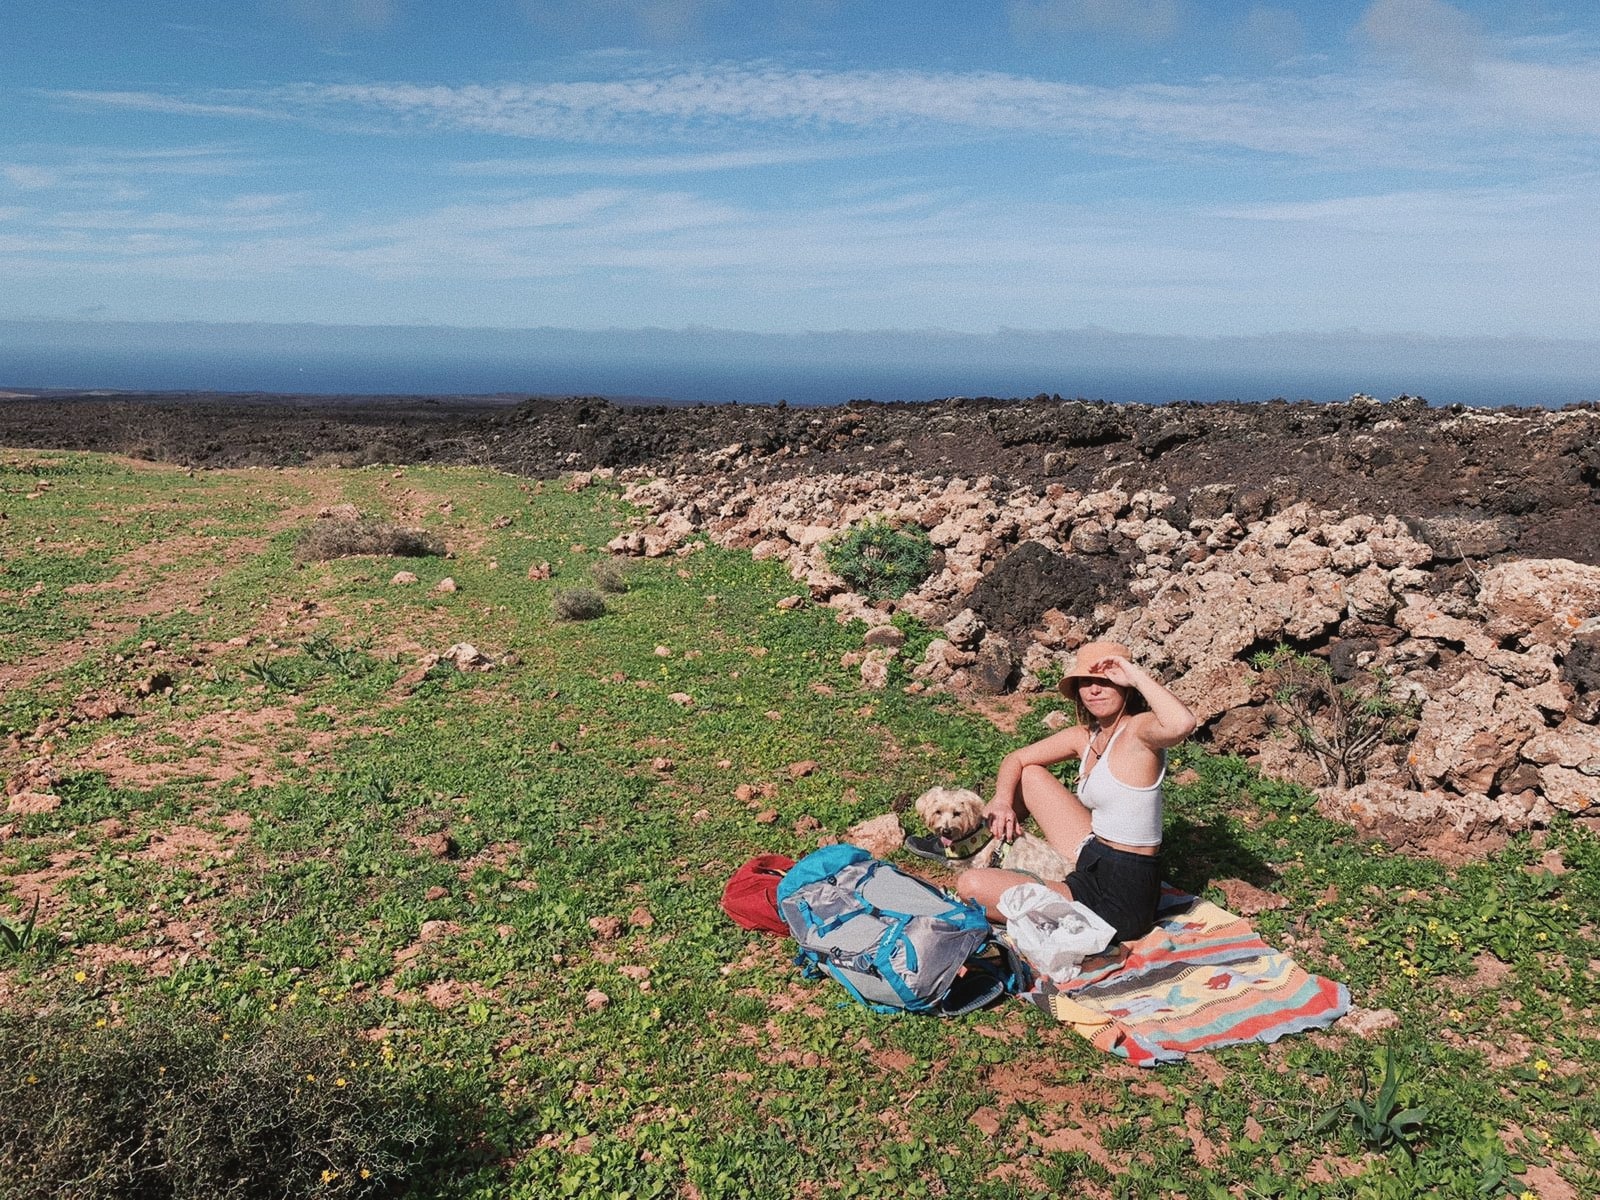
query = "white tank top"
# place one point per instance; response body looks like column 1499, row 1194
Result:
column 1118, row 811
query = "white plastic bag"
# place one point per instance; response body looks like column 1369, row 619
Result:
column 1053, row 933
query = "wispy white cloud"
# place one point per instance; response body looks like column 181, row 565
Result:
column 116, row 173
column 222, row 219
column 1271, row 33
column 657, row 164
column 158, row 103
column 1146, row 20
column 655, row 20
column 1432, row 39
column 1413, row 213
column 339, row 18
column 1359, row 118
column 29, row 178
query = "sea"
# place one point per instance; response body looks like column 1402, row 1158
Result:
column 657, row 367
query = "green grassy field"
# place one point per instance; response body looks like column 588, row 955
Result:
column 501, row 886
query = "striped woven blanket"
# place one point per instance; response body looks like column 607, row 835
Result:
column 1202, row 978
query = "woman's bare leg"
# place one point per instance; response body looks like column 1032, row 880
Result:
column 985, row 885
column 1061, row 815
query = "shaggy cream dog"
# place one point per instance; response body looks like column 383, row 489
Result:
column 955, row 814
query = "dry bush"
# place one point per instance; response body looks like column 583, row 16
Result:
column 170, row 1108
column 340, row 539
column 609, row 575
column 578, row 604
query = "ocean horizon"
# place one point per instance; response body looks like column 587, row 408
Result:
column 688, row 367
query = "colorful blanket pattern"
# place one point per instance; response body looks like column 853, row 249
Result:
column 1202, row 978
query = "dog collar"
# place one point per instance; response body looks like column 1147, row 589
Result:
column 969, row 845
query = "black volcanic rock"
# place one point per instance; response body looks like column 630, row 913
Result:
column 1508, row 482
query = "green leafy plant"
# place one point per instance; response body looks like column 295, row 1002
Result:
column 1382, row 1120
column 265, row 671
column 881, row 560
column 1340, row 723
column 351, row 662
column 19, row 939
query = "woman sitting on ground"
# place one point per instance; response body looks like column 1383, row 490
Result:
column 1110, row 829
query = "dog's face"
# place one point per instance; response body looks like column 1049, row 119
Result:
column 952, row 813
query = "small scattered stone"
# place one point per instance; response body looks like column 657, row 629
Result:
column 445, row 586
column 744, row 793
column 806, row 824
column 799, row 770
column 1246, row 899
column 789, row 602
column 464, row 656
column 32, row 804
column 663, row 651
column 436, row 893
column 661, row 764
column 879, row 837
column 682, row 698
column 607, row 929
column 766, row 816
column 153, row 684
column 539, row 570
column 401, row 578
column 594, row 1000
column 641, row 918
column 1368, row 1022
column 440, row 845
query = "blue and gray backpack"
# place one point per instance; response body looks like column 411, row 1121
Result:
column 897, row 944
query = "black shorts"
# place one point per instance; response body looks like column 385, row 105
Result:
column 1120, row 887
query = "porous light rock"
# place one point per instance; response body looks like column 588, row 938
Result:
column 1543, row 599
column 1468, row 732
column 879, row 836
column 1496, row 657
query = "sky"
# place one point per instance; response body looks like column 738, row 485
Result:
column 1174, row 168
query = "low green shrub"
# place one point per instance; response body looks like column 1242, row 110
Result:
column 578, row 604
column 323, row 540
column 880, row 560
column 174, row 1108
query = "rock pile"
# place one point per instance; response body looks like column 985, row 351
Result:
column 1499, row 663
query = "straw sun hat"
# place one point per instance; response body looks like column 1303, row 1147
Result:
column 1088, row 655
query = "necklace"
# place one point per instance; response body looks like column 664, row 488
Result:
column 1111, row 731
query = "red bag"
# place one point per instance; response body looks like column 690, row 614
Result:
column 751, row 897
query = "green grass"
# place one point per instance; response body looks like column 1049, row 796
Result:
column 310, row 889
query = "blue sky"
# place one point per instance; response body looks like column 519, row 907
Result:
column 1171, row 167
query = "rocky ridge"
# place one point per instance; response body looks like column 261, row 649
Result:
column 1455, row 550
column 1498, row 661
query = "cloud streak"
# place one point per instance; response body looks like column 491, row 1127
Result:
column 1362, row 118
